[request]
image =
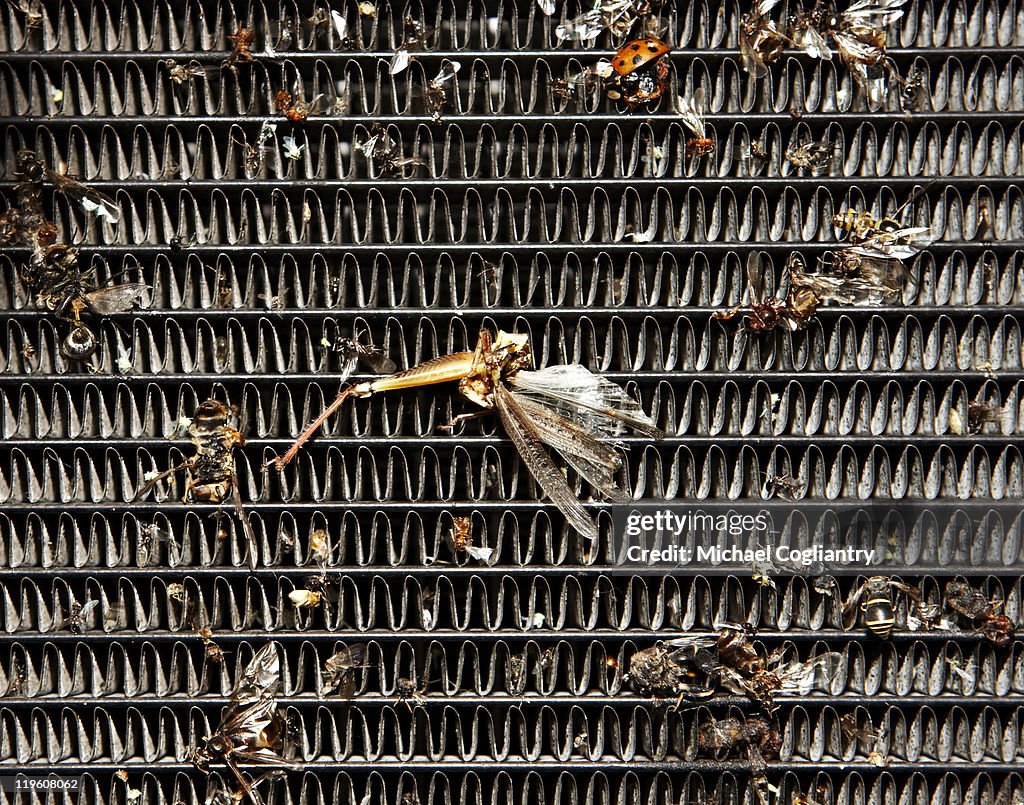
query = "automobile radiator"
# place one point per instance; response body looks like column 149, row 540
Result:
column 524, row 200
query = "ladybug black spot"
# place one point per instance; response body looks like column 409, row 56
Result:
column 653, row 48
column 637, row 59
column 635, row 47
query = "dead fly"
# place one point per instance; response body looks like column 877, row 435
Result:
column 210, row 473
column 214, row 653
column 762, row 315
column 692, row 112
column 985, row 413
column 784, row 486
column 384, row 152
column 183, row 73
column 718, row 737
column 760, row 41
column 851, row 278
column 868, row 737
column 414, row 39
column 739, row 667
column 32, row 9
column 223, row 795
column 242, row 41
column 340, row 667
column 567, row 408
column 875, row 600
column 684, row 670
column 296, row 109
column 984, row 614
column 615, row 16
column 754, row 155
column 76, row 622
column 436, row 96
column 32, row 173
column 460, row 540
column 857, row 33
column 816, row 157
column 251, row 729
column 354, row 351
column 406, row 691
column 253, row 155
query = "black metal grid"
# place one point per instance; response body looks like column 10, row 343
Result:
column 592, row 231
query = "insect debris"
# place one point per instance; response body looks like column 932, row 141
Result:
column 436, row 92
column 567, row 408
column 211, row 476
column 984, row 614
column 761, row 42
column 384, row 152
column 213, row 652
column 251, row 729
column 815, row 156
column 761, row 314
column 242, row 41
column 296, row 109
column 53, row 273
column 460, row 540
column 414, row 39
column 339, row 669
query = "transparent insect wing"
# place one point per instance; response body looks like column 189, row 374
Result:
column 596, row 404
column 585, row 28
column 873, row 13
column 115, row 298
column 400, row 61
column 261, row 677
column 692, row 113
column 808, row 39
column 448, row 71
column 755, row 277
column 547, row 7
column 480, row 554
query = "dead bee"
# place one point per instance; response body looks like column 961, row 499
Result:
column 436, row 96
column 815, row 157
column 183, row 73
column 210, row 473
column 251, row 729
column 718, row 737
column 882, row 237
column 849, row 278
column 296, row 109
column 414, row 39
column 878, row 606
column 984, row 615
column 242, row 41
column 684, row 671
column 213, row 652
column 692, row 112
column 460, row 540
column 340, row 667
column 760, row 41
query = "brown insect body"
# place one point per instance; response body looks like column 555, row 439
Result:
column 718, row 737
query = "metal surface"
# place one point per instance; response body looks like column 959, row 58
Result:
column 591, row 230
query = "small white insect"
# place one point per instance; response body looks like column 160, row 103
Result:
column 124, row 361
column 292, row 150
column 304, row 598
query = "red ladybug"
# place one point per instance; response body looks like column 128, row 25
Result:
column 640, row 72
column 634, row 55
